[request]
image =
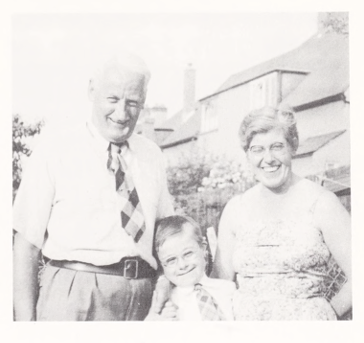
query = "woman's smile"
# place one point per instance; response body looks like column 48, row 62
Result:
column 271, row 169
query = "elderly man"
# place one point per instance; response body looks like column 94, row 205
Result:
column 88, row 201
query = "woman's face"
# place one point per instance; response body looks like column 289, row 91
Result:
column 270, row 156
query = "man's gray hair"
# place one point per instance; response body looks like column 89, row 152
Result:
column 123, row 61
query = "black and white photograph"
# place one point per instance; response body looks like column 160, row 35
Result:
column 182, row 166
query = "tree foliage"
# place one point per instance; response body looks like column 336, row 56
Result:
column 21, row 132
column 336, row 22
column 202, row 184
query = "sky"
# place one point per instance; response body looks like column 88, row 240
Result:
column 53, row 54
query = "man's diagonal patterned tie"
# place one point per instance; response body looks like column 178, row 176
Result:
column 131, row 214
column 208, row 308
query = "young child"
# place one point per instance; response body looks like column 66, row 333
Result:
column 193, row 296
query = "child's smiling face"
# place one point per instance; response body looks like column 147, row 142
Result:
column 183, row 258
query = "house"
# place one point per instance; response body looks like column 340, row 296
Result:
column 313, row 79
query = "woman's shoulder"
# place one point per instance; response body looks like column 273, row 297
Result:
column 244, row 198
column 313, row 196
column 312, row 190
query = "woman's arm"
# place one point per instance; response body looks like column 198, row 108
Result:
column 223, row 267
column 334, row 221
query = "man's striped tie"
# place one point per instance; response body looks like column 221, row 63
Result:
column 131, row 214
column 209, row 310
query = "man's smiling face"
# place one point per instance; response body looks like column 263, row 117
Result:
column 117, row 97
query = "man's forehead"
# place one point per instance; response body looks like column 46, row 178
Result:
column 122, row 76
column 122, row 81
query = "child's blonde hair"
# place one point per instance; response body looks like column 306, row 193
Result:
column 174, row 225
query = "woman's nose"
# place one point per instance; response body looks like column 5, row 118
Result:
column 268, row 155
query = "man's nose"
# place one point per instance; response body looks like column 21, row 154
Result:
column 120, row 112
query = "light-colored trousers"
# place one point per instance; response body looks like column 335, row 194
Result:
column 68, row 295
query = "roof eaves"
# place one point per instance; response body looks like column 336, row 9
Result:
column 254, row 78
column 319, row 102
column 163, row 129
column 182, row 141
column 329, row 137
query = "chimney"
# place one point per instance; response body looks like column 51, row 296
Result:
column 159, row 113
column 189, row 88
column 148, row 129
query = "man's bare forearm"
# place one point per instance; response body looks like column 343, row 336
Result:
column 26, row 263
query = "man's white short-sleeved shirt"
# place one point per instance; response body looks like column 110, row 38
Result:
column 67, row 204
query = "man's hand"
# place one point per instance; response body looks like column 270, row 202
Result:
column 167, row 313
column 161, row 294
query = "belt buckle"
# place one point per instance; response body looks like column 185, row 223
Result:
column 131, row 269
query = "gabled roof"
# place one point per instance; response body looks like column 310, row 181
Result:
column 185, row 133
column 329, row 79
column 173, row 122
column 324, row 57
column 312, row 144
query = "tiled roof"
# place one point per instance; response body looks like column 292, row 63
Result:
column 324, row 60
column 323, row 57
column 332, row 78
column 189, row 130
column 173, row 122
column 312, row 144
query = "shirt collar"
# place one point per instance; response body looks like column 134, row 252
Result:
column 204, row 280
column 101, row 143
column 185, row 290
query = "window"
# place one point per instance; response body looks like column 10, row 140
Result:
column 209, row 116
column 263, row 91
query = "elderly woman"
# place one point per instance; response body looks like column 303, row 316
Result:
column 276, row 239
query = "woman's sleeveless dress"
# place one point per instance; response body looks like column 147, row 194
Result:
column 282, row 262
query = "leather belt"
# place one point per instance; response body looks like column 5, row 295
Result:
column 128, row 267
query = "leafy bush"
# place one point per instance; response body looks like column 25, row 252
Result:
column 21, row 132
column 202, row 184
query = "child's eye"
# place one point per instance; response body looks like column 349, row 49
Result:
column 188, row 254
column 171, row 261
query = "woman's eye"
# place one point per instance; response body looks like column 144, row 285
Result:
column 277, row 147
column 256, row 149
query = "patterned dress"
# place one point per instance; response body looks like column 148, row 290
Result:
column 281, row 259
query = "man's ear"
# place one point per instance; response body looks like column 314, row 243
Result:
column 91, row 89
